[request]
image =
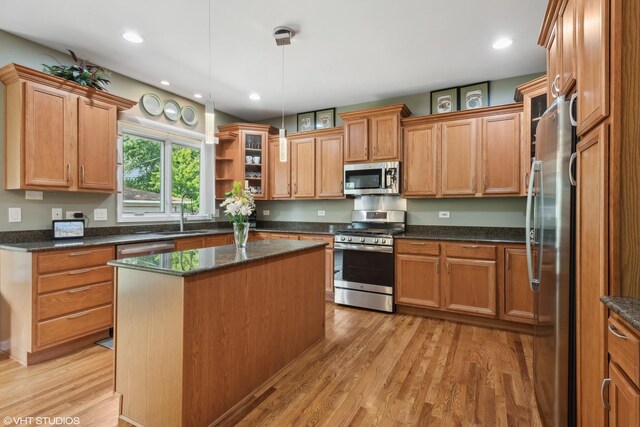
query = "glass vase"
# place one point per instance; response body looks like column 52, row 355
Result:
column 241, row 234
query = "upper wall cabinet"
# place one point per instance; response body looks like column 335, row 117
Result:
column 374, row 135
column 470, row 153
column 242, row 155
column 61, row 136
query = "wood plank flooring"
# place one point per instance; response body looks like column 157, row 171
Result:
column 372, row 369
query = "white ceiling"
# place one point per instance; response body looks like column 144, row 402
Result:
column 345, row 52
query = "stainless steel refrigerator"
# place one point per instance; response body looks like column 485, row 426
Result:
column 550, row 226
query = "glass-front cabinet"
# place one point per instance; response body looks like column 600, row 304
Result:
column 241, row 156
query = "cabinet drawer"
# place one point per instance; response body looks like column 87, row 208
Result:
column 624, row 348
column 73, row 300
column 189, row 243
column 470, row 250
column 74, row 278
column 283, row 236
column 73, row 326
column 417, row 247
column 74, row 259
column 225, row 239
column 312, row 238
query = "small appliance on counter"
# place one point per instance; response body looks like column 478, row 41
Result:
column 68, row 229
column 364, row 270
column 253, row 219
column 372, row 178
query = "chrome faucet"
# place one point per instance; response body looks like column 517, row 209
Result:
column 182, row 209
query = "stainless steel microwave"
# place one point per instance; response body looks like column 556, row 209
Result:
column 361, row 179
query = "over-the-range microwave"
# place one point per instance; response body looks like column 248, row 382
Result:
column 362, row 179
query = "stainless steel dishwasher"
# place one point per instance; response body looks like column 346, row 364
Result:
column 148, row 248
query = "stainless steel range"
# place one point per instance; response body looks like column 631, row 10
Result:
column 364, row 269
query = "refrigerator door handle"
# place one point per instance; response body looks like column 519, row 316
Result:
column 572, row 161
column 573, row 121
column 533, row 282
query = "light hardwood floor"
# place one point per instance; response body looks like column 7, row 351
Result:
column 372, row 369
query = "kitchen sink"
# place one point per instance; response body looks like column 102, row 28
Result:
column 184, row 232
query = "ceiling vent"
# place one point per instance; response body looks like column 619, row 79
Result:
column 283, row 35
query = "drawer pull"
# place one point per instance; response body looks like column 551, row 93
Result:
column 615, row 332
column 417, row 244
column 75, row 272
column 605, row 384
column 80, row 253
column 75, row 291
column 75, row 316
column 471, row 246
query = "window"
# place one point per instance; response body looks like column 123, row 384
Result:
column 158, row 171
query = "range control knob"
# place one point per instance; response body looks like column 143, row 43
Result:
column 349, row 239
column 362, row 240
column 384, row 241
column 377, row 240
column 342, row 238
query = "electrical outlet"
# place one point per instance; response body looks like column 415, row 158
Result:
column 266, row 213
column 33, row 195
column 56, row 213
column 15, row 215
column 99, row 214
column 216, row 213
column 321, row 213
column 71, row 214
column 444, row 214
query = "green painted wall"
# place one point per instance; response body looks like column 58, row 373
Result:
column 36, row 214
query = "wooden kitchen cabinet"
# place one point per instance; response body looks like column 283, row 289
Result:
column 61, row 136
column 470, row 286
column 624, row 399
column 592, row 227
column 418, row 280
column 303, row 168
column 592, row 48
column 279, row 171
column 459, row 147
column 421, row 160
column 553, row 68
column 567, row 46
column 329, row 166
column 200, row 242
column 374, row 135
column 328, row 266
column 501, row 154
column 517, row 297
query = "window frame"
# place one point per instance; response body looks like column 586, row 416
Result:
column 167, row 137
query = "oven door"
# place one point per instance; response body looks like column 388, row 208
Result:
column 364, row 268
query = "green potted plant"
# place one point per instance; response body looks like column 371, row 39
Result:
column 82, row 72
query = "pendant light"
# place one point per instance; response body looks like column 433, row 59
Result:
column 209, row 105
column 283, row 37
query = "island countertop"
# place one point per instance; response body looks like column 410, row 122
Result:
column 196, row 261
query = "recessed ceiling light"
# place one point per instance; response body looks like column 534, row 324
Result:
column 165, row 83
column 197, row 95
column 132, row 37
column 255, row 97
column 502, row 43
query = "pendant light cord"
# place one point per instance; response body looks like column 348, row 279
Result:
column 209, row 39
column 282, row 86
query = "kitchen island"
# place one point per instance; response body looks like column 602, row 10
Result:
column 198, row 331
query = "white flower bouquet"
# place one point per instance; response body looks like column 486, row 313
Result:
column 238, row 204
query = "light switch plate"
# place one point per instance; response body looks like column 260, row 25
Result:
column 216, row 213
column 56, row 213
column 321, row 213
column 15, row 215
column 69, row 214
column 99, row 214
column 444, row 214
column 33, row 195
column 266, row 213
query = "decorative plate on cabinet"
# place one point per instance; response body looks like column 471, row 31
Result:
column 152, row 104
column 189, row 115
column 172, row 110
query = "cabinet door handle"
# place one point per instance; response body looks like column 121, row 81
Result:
column 295, row 188
column 75, row 316
column 605, row 384
column 473, row 183
column 484, row 183
column 438, row 268
column 69, row 173
column 75, row 291
column 615, row 332
column 75, row 272
column 508, row 261
column 366, row 152
column 82, row 174
column 448, row 268
column 80, row 253
column 555, row 91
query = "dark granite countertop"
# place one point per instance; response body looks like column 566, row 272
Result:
column 467, row 234
column 196, row 261
column 626, row 307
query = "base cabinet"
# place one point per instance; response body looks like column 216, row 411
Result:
column 418, row 280
column 517, row 298
column 624, row 399
column 470, row 286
